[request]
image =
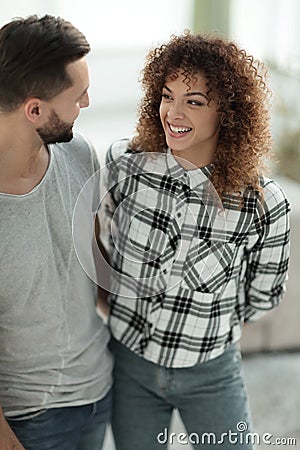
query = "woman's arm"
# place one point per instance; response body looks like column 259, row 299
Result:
column 268, row 255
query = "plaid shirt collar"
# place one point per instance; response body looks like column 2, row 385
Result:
column 193, row 177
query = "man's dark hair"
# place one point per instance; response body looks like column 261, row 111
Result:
column 34, row 53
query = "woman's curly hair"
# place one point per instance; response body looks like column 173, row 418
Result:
column 239, row 84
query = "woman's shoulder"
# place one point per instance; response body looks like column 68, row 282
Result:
column 118, row 149
column 273, row 192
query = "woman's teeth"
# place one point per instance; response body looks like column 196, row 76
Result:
column 179, row 129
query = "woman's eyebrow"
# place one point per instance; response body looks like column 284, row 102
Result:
column 188, row 94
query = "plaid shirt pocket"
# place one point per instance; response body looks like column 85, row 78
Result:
column 209, row 266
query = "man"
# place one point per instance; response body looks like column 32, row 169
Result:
column 55, row 368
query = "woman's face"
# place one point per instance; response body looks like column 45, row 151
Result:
column 190, row 121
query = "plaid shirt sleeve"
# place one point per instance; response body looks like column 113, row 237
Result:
column 267, row 254
column 109, row 197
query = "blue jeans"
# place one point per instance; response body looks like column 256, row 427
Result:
column 210, row 397
column 66, row 428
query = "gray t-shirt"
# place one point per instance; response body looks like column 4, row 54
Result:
column 53, row 345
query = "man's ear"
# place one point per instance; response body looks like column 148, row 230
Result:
column 33, row 109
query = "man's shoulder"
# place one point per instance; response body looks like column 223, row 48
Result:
column 79, row 144
column 78, row 153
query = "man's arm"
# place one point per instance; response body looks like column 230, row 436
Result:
column 8, row 440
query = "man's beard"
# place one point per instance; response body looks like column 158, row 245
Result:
column 55, row 130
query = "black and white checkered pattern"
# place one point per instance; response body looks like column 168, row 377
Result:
column 187, row 269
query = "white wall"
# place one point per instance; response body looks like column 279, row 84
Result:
column 269, row 29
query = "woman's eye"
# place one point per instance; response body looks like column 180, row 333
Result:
column 166, row 97
column 196, row 103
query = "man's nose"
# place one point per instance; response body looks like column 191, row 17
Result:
column 85, row 101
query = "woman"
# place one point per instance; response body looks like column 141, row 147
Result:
column 198, row 240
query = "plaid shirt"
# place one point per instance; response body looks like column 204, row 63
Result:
column 187, row 269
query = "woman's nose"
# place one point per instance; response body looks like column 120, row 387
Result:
column 176, row 111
